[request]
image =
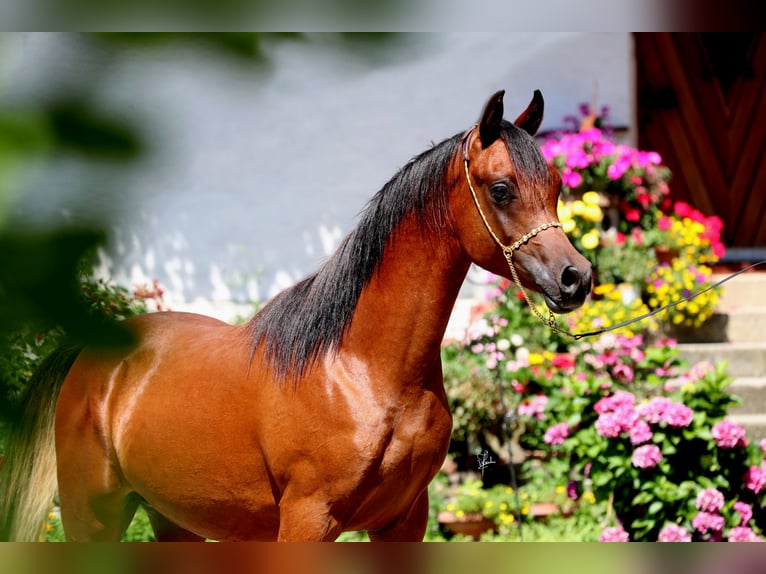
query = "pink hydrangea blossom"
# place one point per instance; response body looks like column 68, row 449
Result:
column 677, row 415
column 654, row 411
column 743, row 534
column 640, row 433
column 706, row 522
column 556, row 434
column 728, row 434
column 674, row 533
column 755, row 478
column 614, row 534
column 614, row 401
column 609, row 425
column 745, row 512
column 709, row 500
column 647, row 456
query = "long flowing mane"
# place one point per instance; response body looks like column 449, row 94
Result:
column 310, row 318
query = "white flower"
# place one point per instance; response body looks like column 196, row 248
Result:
column 503, row 345
column 517, row 340
column 522, row 354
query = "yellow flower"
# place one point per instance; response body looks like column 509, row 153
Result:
column 591, row 198
column 459, row 514
column 591, row 239
column 568, row 225
column 535, row 359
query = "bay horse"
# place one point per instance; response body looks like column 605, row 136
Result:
column 326, row 412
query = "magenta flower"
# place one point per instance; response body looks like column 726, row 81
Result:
column 745, row 512
column 614, row 534
column 677, row 415
column 743, row 534
column 708, row 522
column 609, row 425
column 755, row 478
column 674, row 533
column 763, row 446
column 728, row 434
column 647, row 456
column 709, row 500
column 615, row 401
column 640, row 433
column 556, row 434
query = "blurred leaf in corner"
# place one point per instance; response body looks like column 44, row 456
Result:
column 76, row 127
column 39, row 285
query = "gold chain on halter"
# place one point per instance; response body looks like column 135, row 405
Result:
column 508, row 250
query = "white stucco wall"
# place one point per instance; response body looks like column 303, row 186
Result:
column 253, row 174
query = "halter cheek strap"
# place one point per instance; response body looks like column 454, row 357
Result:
column 508, row 250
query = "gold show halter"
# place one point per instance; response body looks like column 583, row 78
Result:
column 550, row 320
column 508, row 250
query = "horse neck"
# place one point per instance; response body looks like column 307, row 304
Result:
column 402, row 313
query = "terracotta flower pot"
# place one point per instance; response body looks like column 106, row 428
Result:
column 473, row 525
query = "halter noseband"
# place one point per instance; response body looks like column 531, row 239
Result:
column 508, row 250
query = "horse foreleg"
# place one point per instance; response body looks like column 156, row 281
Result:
column 410, row 527
column 306, row 520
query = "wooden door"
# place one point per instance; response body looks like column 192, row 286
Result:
column 701, row 104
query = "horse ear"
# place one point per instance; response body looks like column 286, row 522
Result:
column 531, row 118
column 489, row 125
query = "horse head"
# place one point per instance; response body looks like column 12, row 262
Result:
column 513, row 221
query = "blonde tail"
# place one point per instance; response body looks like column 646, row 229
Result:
column 28, row 472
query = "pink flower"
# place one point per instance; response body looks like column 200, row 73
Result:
column 708, row 522
column 570, row 178
column 755, row 478
column 609, row 425
column 664, row 223
column 647, row 456
column 614, row 534
column 745, row 512
column 743, row 534
column 709, row 500
column 763, row 446
column 674, row 533
column 728, row 434
column 556, row 434
column 677, row 415
column 534, row 407
column 640, row 433
column 613, row 402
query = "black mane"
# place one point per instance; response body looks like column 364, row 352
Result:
column 310, row 318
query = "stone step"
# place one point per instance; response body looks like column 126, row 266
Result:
column 746, row 323
column 752, row 392
column 746, row 290
column 745, row 358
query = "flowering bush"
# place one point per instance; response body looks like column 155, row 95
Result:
column 679, row 279
column 589, row 160
column 689, row 234
column 610, row 306
column 652, row 439
column 580, row 219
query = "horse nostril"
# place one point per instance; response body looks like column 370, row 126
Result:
column 570, row 279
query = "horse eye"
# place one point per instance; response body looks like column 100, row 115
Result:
column 501, row 193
